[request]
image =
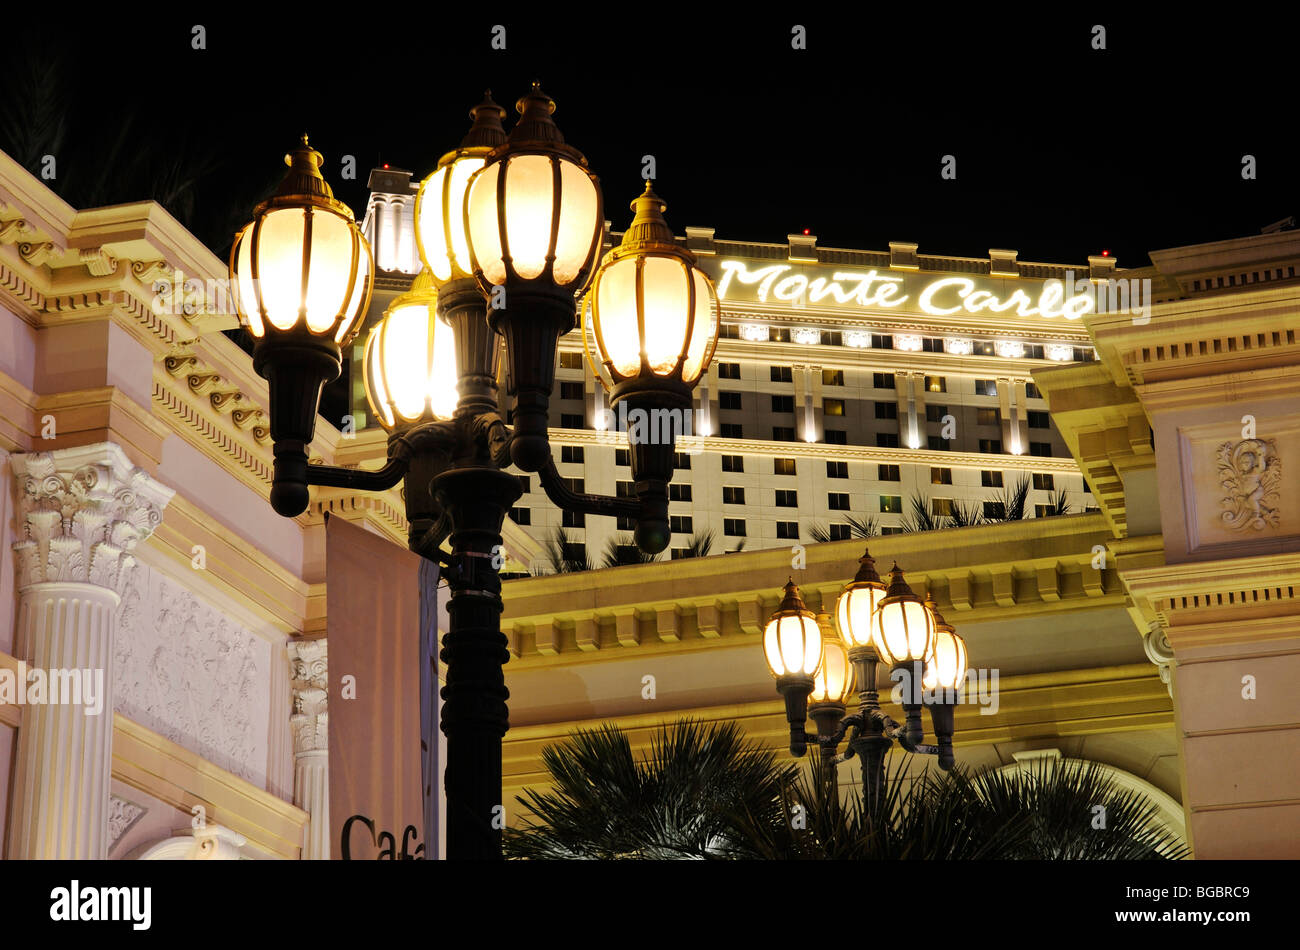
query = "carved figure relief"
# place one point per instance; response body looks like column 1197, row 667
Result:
column 1250, row 474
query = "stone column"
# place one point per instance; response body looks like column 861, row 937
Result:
column 308, row 661
column 80, row 513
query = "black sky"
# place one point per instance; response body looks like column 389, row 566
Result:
column 1061, row 150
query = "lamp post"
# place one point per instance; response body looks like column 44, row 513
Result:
column 509, row 230
column 877, row 623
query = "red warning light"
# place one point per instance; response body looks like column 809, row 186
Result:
column 385, row 164
column 1103, row 253
column 807, row 231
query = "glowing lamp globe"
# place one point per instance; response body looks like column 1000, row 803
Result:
column 792, row 641
column 534, row 210
column 302, row 268
column 833, row 684
column 855, row 612
column 904, row 627
column 410, row 361
column 654, row 314
column 945, row 667
column 440, row 227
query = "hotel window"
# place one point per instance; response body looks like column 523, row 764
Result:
column 681, row 524
column 783, row 404
column 941, row 506
column 833, row 407
column 837, row 469
column 624, row 489
column 570, row 420
column 882, row 380
column 1044, row 482
column 728, row 400
column 783, row 466
column 681, row 461
column 987, row 417
column 1031, row 391
column 995, row 510
column 891, row 504
column 886, row 410
column 832, row 377
column 936, row 443
column 572, row 453
column 733, row 463
column 733, row 527
column 984, row 348
column 525, row 483
column 787, row 529
column 570, row 361
column 1038, row 420
column 935, row 413
column 940, row 476
column 986, row 387
column 1044, row 511
column 991, row 446
column 576, row 485
column 728, row 371
column 787, row 498
column 679, row 553
column 833, row 337
column 782, row 374
column 837, row 437
column 733, row 495
column 991, row 479
column 932, row 344
column 890, row 529
column 522, row 516
column 779, row 334
column 570, row 390
column 622, row 457
column 888, row 473
column 882, row 342
column 1034, row 351
column 626, row 523
column 885, row 440
column 733, row 430
column 679, row 492
column 1082, row 354
column 782, row 433
column 936, row 384
column 1042, row 449
column 838, row 501
column 575, row 519
column 840, row 532
column 729, row 331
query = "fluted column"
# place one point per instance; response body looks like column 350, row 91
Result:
column 308, row 661
column 80, row 513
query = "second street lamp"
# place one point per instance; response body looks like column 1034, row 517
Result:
column 302, row 287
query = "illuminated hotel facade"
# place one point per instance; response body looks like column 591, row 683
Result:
column 1156, row 635
column 845, row 386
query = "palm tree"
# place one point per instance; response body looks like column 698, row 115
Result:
column 963, row 515
column 861, row 528
column 700, row 544
column 621, row 550
column 922, row 518
column 563, row 555
column 1057, row 506
column 1009, row 504
column 677, row 802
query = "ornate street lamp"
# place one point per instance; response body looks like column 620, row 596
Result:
column 880, row 623
column 792, row 643
column 508, row 228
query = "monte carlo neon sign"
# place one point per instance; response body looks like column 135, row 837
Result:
column 939, row 297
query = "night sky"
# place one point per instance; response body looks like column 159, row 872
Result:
column 1061, row 150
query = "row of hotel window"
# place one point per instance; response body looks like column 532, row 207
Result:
column 985, row 416
column 576, row 455
column 830, row 377
column 885, row 341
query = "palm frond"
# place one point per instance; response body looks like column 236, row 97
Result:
column 1010, row 502
column 562, row 555
column 621, row 550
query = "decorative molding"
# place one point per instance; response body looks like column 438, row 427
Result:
column 122, row 815
column 13, row 230
column 37, row 253
column 1155, row 642
column 209, row 843
column 309, row 682
column 98, row 261
column 189, row 672
column 81, row 511
column 1250, row 473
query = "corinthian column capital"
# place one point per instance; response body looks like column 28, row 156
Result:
column 309, row 682
column 80, row 513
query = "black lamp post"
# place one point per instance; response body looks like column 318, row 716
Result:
column 877, row 624
column 509, row 230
